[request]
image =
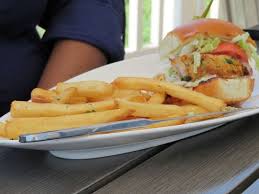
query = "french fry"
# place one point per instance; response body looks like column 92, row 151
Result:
column 166, row 124
column 43, row 96
column 160, row 77
column 124, row 94
column 146, row 94
column 65, row 96
column 150, row 110
column 138, row 83
column 188, row 109
column 157, row 98
column 67, row 107
column 68, row 96
column 156, row 125
column 2, row 130
column 77, row 100
column 19, row 126
column 175, row 101
column 192, row 110
column 209, row 103
column 131, row 95
column 137, row 98
column 31, row 109
column 89, row 89
column 201, row 118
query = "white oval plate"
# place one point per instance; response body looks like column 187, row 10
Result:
column 96, row 146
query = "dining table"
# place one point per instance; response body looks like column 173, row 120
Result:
column 222, row 160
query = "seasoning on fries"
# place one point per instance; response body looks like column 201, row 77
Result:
column 18, row 126
column 90, row 89
column 31, row 109
column 93, row 102
column 66, row 95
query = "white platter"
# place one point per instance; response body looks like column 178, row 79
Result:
column 96, row 146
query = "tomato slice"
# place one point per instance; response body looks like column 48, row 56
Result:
column 231, row 49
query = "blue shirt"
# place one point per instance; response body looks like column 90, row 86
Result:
column 24, row 55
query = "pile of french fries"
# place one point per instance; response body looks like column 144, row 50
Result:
column 93, row 102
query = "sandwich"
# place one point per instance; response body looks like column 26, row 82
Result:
column 212, row 56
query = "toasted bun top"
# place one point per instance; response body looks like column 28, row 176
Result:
column 213, row 27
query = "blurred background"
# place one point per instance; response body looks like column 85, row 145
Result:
column 148, row 21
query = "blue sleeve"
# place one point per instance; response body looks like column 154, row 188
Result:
column 96, row 22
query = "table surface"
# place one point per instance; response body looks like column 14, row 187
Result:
column 223, row 160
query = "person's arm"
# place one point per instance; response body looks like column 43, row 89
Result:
column 85, row 34
column 68, row 59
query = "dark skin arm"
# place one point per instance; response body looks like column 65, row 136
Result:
column 68, row 59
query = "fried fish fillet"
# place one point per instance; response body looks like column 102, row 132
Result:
column 221, row 65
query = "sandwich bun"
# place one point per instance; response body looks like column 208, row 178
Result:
column 233, row 91
column 212, row 27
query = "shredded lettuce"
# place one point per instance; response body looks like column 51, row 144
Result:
column 207, row 45
column 254, row 55
column 242, row 37
column 197, row 61
column 250, row 50
column 171, row 75
column 256, row 58
column 254, row 49
column 187, row 49
column 243, row 44
column 201, row 44
column 168, row 46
